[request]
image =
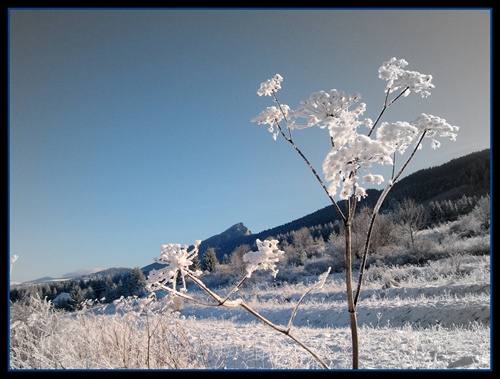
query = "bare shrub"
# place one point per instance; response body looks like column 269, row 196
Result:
column 132, row 337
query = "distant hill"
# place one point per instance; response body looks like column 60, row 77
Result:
column 42, row 280
column 45, row 279
column 468, row 175
column 114, row 271
column 94, row 276
column 222, row 242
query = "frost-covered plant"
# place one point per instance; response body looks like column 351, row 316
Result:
column 347, row 165
column 31, row 322
column 137, row 333
column 356, row 145
column 13, row 260
column 178, row 260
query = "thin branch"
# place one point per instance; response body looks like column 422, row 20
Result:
column 183, row 295
column 393, row 165
column 241, row 303
column 353, row 204
column 216, row 297
column 236, row 288
column 290, row 140
column 285, row 332
column 384, row 107
column 294, row 313
column 375, row 213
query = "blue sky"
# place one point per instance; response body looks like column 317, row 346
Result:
column 131, row 128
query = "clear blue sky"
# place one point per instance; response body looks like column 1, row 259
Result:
column 131, row 128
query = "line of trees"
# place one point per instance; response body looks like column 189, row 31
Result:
column 106, row 289
column 311, row 248
column 398, row 238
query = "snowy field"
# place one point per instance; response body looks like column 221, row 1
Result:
column 435, row 316
column 420, row 321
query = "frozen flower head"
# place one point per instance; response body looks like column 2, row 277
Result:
column 265, row 258
column 322, row 107
column 270, row 86
column 357, row 152
column 352, row 153
column 397, row 136
column 435, row 126
column 177, row 260
column 396, row 77
column 272, row 116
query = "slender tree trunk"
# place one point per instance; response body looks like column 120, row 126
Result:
column 412, row 237
column 350, row 299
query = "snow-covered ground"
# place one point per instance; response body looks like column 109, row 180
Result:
column 432, row 317
column 435, row 316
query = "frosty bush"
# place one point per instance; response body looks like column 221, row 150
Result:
column 477, row 222
column 137, row 334
column 33, row 322
column 356, row 146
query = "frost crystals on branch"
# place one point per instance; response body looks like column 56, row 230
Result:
column 265, row 258
column 352, row 150
column 178, row 260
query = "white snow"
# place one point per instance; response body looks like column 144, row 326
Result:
column 435, row 316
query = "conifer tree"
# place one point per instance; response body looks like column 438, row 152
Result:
column 76, row 299
column 196, row 264
column 209, row 260
column 137, row 282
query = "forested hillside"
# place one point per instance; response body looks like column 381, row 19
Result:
column 467, row 176
column 457, row 188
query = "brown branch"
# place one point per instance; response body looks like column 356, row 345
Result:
column 241, row 303
column 375, row 213
column 384, row 107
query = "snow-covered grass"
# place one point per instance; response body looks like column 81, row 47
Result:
column 435, row 316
